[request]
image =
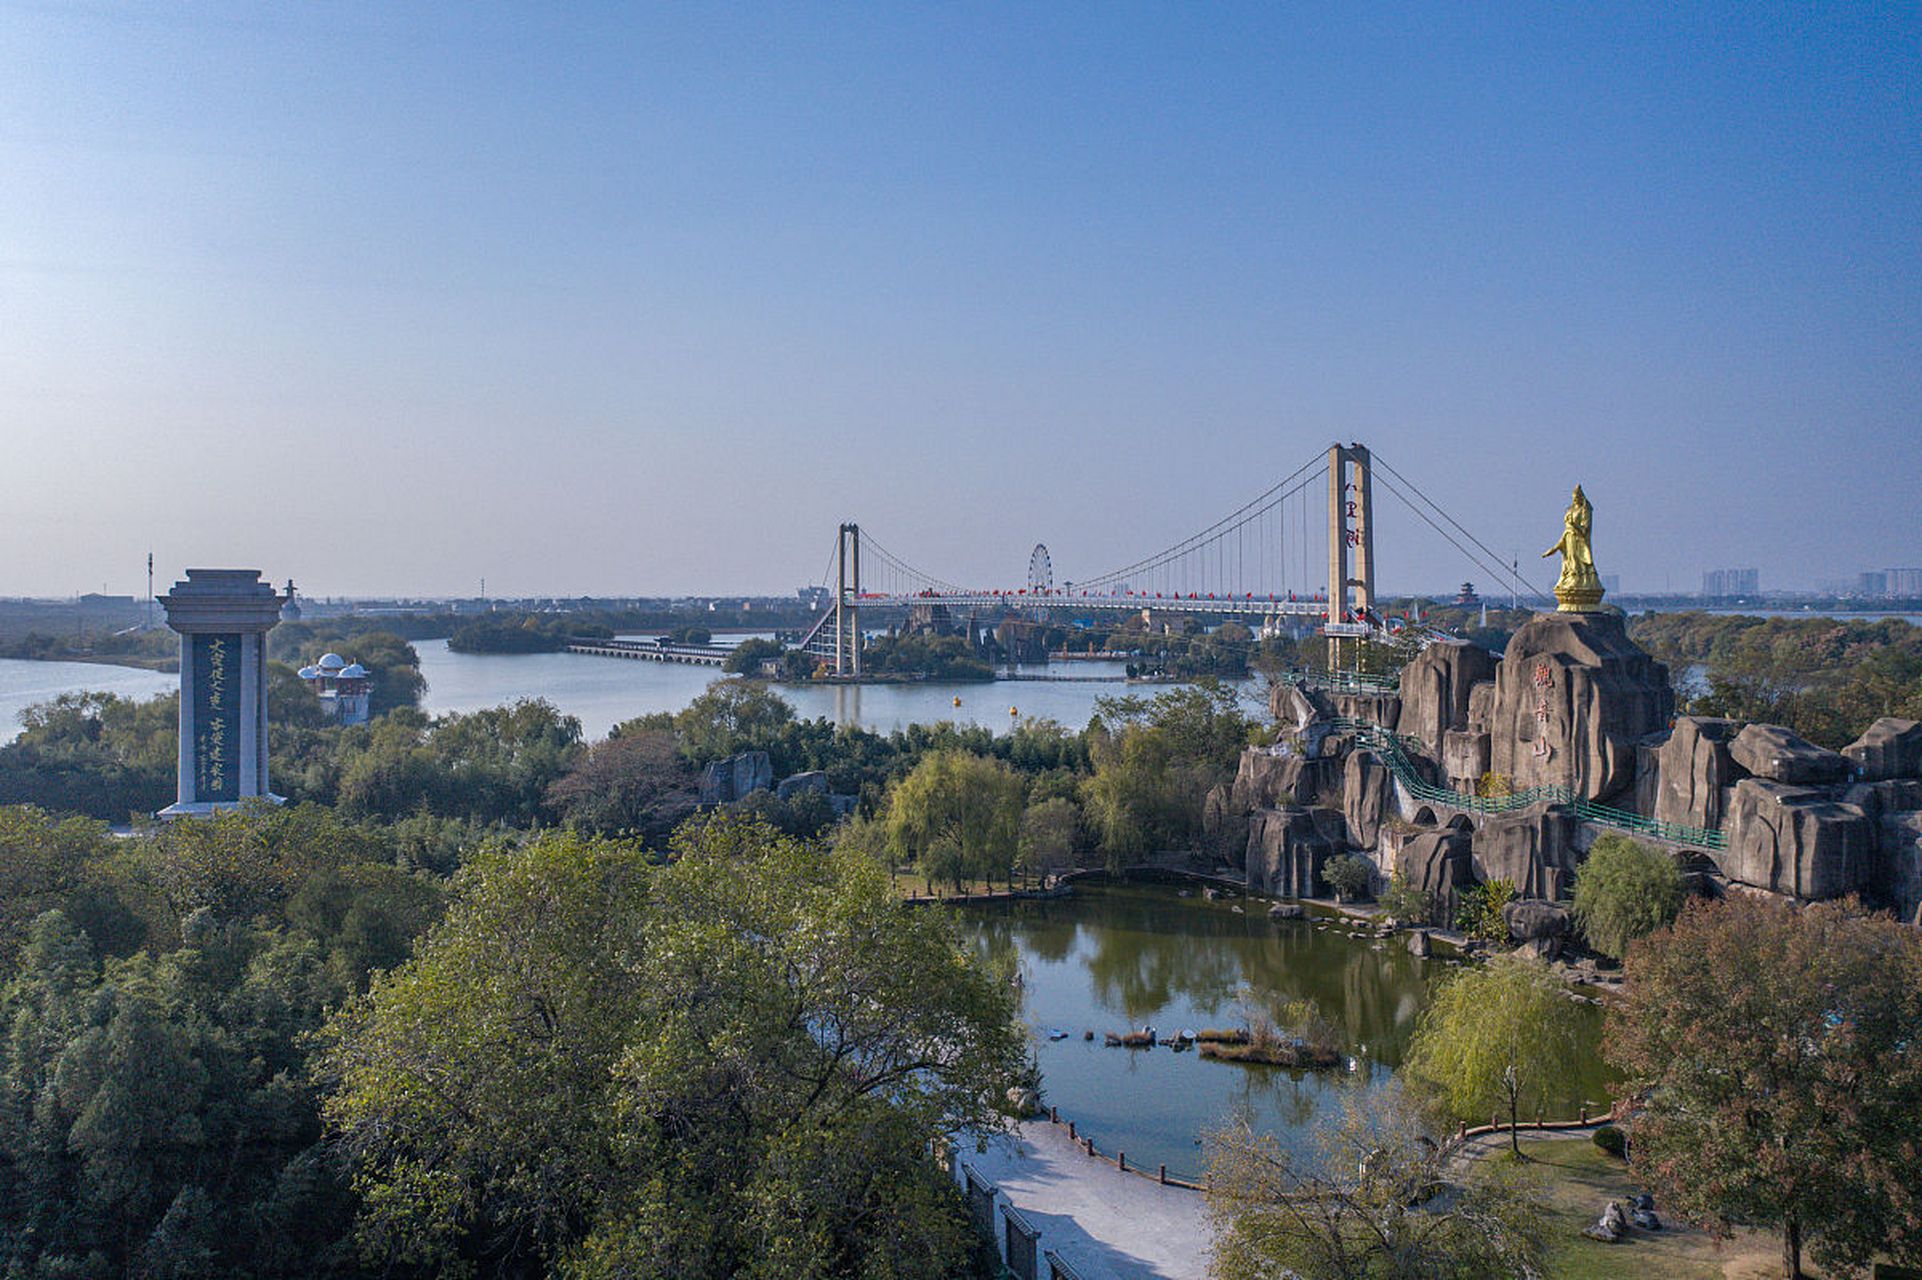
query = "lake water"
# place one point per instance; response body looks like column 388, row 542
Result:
column 24, row 682
column 1115, row 957
column 605, row 691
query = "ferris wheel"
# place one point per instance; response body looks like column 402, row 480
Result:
column 1040, row 572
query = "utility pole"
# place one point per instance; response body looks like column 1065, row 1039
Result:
column 150, row 591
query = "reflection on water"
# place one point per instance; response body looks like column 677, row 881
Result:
column 1115, row 957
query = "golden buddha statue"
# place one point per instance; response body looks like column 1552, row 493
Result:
column 1579, row 589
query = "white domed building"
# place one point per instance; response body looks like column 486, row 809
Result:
column 345, row 689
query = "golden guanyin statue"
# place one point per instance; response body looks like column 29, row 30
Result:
column 1579, row 589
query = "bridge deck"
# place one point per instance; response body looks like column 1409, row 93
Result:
column 700, row 655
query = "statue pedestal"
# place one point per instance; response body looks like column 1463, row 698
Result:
column 223, row 617
column 1573, row 694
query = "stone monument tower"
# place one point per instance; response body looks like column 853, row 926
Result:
column 223, row 617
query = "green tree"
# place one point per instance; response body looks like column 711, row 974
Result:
column 1348, row 875
column 1625, row 889
column 730, row 717
column 730, row 1065
column 1494, row 1035
column 1050, row 832
column 1379, row 1199
column 1771, row 1052
column 747, row 656
column 1480, row 914
column 957, row 815
column 1404, row 901
column 1142, row 796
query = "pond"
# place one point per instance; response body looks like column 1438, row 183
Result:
column 1115, row 957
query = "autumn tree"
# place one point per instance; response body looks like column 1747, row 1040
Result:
column 1494, row 1035
column 1771, row 1053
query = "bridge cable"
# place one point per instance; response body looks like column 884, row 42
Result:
column 1512, row 573
column 1501, row 571
column 1213, row 532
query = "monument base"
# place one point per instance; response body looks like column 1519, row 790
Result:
column 202, row 809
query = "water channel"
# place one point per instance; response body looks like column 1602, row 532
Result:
column 1116, row 957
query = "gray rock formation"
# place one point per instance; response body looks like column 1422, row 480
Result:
column 799, row 783
column 1287, row 847
column 1695, row 770
column 1533, row 849
column 1419, row 945
column 1797, row 840
column 1367, row 796
column 1573, row 695
column 1383, row 709
column 1465, row 757
column 1435, row 689
column 1265, row 778
column 1901, row 859
column 1224, row 830
column 1297, row 710
column 1611, row 1227
column 1536, row 926
column 1772, row 752
column 1287, row 911
column 736, row 778
column 1439, row 863
column 1890, row 749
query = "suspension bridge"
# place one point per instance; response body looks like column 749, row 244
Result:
column 1290, row 554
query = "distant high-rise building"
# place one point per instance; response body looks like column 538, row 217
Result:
column 1723, row 584
column 1873, row 583
column 1905, row 583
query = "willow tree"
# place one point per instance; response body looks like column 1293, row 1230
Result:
column 1495, row 1035
column 958, row 815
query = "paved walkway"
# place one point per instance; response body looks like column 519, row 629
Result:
column 1104, row 1222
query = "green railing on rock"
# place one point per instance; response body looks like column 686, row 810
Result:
column 1704, row 837
column 1393, row 749
column 1344, row 681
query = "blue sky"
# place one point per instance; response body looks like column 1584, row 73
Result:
column 645, row 299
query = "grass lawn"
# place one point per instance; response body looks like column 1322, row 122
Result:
column 1579, row 1181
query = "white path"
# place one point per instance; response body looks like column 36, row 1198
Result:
column 1102, row 1221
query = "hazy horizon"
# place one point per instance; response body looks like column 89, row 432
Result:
column 602, row 302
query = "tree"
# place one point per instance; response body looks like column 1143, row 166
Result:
column 729, row 1065
column 1493, row 1035
column 1480, row 914
column 1771, row 1053
column 1625, row 889
column 731, row 717
column 1050, row 831
column 1348, row 875
column 1379, row 1200
column 957, row 815
column 1143, row 796
column 747, row 656
column 637, row 782
column 1406, row 902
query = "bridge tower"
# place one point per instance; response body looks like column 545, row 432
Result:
column 847, row 606
column 1351, row 541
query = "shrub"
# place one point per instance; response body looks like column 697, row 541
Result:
column 1348, row 875
column 1404, row 901
column 1623, row 891
column 1612, row 1140
column 1481, row 910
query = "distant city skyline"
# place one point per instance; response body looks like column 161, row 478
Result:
column 644, row 302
